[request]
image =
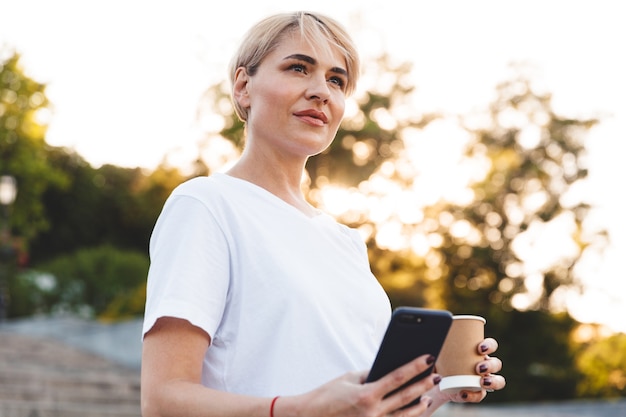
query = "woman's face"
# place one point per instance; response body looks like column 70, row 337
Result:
column 296, row 99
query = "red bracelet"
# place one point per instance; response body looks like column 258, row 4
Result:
column 272, row 405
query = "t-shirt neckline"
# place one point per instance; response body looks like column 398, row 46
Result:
column 318, row 214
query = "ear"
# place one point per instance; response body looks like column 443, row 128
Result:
column 240, row 87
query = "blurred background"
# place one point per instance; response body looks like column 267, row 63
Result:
column 480, row 158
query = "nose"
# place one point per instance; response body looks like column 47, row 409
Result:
column 318, row 90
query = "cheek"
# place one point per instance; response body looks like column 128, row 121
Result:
column 339, row 108
column 270, row 103
column 276, row 91
column 263, row 91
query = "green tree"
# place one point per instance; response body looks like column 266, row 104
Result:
column 603, row 363
column 532, row 157
column 94, row 258
column 24, row 114
column 73, row 211
column 478, row 255
column 105, row 205
column 512, row 186
column 90, row 282
column 538, row 354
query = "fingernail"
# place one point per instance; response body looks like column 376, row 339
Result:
column 430, row 360
column 487, row 381
column 436, row 379
column 482, row 368
column 428, row 400
column 484, row 348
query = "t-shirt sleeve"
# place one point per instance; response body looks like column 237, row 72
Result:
column 189, row 266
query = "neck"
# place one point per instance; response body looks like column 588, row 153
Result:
column 281, row 179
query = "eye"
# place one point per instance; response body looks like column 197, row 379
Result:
column 339, row 81
column 297, row 68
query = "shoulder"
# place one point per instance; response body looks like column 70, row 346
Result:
column 193, row 211
column 197, row 186
column 206, row 189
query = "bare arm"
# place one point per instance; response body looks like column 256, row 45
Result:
column 172, row 356
column 171, row 386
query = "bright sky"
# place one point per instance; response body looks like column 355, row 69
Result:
column 125, row 77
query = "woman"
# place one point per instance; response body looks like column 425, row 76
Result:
column 259, row 304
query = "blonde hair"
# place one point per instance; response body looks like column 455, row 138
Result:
column 263, row 38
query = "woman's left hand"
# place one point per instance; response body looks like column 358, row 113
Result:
column 487, row 369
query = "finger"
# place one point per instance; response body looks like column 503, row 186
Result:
column 393, row 390
column 408, row 395
column 493, row 382
column 489, row 366
column 489, row 384
column 487, row 346
column 417, row 409
column 395, row 379
column 470, row 396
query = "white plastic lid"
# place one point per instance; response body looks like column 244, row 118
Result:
column 456, row 383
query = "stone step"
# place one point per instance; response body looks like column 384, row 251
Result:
column 68, row 390
column 43, row 377
column 13, row 408
column 38, row 382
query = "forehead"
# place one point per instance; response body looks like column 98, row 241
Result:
column 323, row 51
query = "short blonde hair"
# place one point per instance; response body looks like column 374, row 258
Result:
column 263, row 38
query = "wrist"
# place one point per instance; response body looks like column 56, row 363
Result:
column 273, row 404
column 286, row 407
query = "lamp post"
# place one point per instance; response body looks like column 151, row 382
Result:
column 8, row 192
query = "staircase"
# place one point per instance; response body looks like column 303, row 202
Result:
column 43, row 377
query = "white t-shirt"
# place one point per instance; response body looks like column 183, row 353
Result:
column 288, row 300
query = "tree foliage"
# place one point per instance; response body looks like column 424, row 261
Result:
column 94, row 258
column 105, row 205
column 24, row 114
column 90, row 282
column 492, row 251
column 532, row 158
column 603, row 364
column 538, row 355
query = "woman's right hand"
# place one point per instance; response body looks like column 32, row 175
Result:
column 349, row 396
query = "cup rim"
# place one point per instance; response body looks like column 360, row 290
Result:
column 469, row 317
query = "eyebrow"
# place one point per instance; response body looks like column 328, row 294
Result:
column 313, row 61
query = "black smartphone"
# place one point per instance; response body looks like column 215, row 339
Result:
column 411, row 332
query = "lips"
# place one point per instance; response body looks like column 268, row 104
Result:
column 312, row 116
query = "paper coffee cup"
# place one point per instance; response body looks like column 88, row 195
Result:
column 459, row 355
